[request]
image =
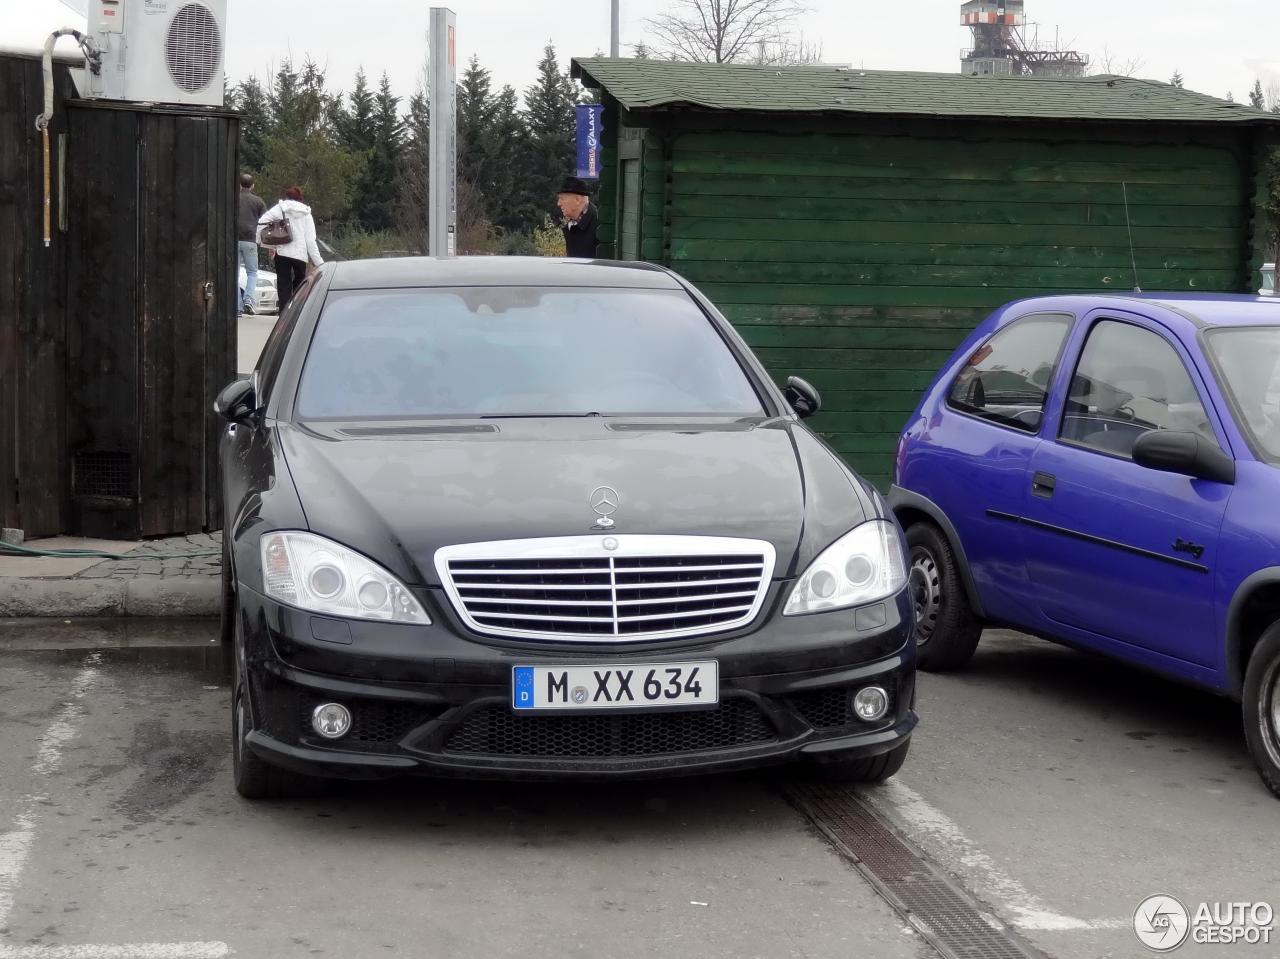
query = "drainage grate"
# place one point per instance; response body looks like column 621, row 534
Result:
column 951, row 922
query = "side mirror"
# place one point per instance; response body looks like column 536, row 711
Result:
column 236, row 403
column 802, row 397
column 1190, row 454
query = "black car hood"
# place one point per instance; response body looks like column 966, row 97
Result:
column 399, row 493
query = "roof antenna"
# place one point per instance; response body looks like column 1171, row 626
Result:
column 1133, row 256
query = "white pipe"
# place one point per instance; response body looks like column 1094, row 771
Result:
column 94, row 56
column 91, row 52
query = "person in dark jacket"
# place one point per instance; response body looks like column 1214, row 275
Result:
column 250, row 209
column 580, row 219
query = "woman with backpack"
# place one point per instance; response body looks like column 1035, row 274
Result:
column 289, row 230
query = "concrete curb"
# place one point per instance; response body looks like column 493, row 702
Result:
column 113, row 632
column 170, row 597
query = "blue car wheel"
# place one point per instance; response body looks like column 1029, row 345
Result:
column 1262, row 707
column 947, row 632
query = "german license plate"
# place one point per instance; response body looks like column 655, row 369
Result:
column 635, row 686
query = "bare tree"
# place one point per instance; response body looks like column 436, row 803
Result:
column 1113, row 65
column 787, row 52
column 725, row 31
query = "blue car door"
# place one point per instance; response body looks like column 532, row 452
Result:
column 1115, row 550
column 977, row 446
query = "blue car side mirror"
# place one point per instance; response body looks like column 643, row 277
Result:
column 1173, row 451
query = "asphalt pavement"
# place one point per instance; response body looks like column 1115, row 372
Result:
column 1054, row 789
column 251, row 337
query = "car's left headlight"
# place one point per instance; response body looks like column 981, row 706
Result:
column 864, row 565
column 319, row 575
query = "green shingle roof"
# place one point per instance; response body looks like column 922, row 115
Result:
column 660, row 84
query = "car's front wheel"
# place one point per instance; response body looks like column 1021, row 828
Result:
column 947, row 632
column 228, row 605
column 254, row 777
column 1262, row 707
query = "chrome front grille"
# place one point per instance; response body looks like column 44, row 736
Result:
column 577, row 588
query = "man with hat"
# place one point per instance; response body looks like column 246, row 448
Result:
column 580, row 219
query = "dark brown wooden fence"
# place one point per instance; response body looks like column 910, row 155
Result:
column 33, row 385
column 121, row 333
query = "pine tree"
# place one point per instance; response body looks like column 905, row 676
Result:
column 475, row 109
column 284, row 94
column 549, row 114
column 1257, row 99
column 356, row 129
column 376, row 197
column 510, row 200
column 355, row 123
column 1177, row 80
column 413, row 179
column 251, row 100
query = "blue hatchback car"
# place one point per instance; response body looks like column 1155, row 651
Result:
column 1104, row 472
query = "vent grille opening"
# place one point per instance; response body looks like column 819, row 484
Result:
column 193, row 50
column 103, row 473
column 495, row 731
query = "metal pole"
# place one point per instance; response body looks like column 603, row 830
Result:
column 613, row 30
column 442, row 215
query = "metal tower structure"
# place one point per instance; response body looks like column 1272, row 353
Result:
column 1000, row 47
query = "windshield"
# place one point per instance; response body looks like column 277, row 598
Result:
column 1248, row 361
column 519, row 351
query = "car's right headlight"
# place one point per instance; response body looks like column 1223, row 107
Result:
column 864, row 565
column 321, row 576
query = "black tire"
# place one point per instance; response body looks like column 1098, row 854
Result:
column 876, row 769
column 254, row 777
column 1262, row 707
column 947, row 632
column 228, row 607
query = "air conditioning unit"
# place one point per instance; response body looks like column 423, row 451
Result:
column 159, row 51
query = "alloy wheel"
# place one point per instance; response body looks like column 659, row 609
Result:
column 1269, row 711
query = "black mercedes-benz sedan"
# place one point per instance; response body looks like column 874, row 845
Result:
column 534, row 518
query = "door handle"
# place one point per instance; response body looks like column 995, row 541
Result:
column 1043, row 484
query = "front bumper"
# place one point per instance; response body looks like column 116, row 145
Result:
column 436, row 700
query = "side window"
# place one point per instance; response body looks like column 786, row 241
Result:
column 1129, row 381
column 1006, row 380
column 273, row 352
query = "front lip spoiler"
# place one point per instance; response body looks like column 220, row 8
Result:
column 353, row 765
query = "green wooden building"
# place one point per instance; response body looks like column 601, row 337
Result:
column 855, row 226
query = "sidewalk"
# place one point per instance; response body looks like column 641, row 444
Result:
column 157, row 579
column 178, row 577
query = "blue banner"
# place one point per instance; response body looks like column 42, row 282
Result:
column 590, row 126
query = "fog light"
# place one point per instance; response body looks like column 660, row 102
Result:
column 332, row 720
column 870, row 703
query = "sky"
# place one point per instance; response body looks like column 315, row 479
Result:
column 1220, row 47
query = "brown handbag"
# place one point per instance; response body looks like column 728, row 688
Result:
column 278, row 232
